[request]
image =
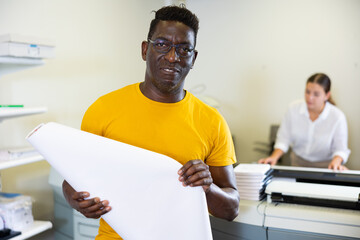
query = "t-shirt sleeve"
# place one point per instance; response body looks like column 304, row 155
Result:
column 222, row 152
column 93, row 121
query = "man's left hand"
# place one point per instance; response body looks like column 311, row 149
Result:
column 196, row 173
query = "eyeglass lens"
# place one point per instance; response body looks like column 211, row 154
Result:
column 164, row 46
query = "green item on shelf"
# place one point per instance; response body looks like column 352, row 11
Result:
column 16, row 106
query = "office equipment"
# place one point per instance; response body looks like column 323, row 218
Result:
column 318, row 175
column 315, row 186
column 314, row 194
column 304, row 204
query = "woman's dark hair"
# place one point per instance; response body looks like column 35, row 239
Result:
column 175, row 13
column 324, row 81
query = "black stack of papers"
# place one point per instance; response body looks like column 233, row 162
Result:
column 251, row 180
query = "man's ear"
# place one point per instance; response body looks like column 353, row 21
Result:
column 194, row 58
column 144, row 48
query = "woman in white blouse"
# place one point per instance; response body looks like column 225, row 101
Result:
column 315, row 129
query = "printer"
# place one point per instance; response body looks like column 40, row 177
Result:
column 315, row 186
column 301, row 204
column 312, row 203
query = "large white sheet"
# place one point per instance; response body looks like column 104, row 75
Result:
column 147, row 199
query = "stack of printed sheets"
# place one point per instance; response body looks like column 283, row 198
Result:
column 251, row 180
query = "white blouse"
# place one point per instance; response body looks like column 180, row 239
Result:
column 315, row 141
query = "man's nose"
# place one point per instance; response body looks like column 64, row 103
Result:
column 172, row 55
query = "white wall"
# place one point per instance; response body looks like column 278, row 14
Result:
column 254, row 58
column 98, row 50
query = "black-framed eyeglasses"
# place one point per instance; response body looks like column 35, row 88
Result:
column 164, row 46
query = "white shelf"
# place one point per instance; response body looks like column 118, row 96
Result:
column 12, row 112
column 14, row 64
column 36, row 228
column 20, row 161
column 20, row 61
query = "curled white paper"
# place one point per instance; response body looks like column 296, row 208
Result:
column 147, row 199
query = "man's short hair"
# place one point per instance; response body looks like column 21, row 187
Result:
column 175, row 13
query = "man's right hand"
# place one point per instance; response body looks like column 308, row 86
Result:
column 90, row 208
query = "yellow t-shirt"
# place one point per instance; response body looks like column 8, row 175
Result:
column 184, row 131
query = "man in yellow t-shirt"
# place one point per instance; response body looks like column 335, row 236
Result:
column 159, row 115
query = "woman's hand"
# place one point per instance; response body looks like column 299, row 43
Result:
column 269, row 160
column 273, row 158
column 336, row 164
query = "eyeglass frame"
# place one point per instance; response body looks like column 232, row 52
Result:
column 192, row 50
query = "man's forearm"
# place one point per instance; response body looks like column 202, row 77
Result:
column 223, row 202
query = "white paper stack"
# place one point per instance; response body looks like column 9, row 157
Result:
column 251, row 180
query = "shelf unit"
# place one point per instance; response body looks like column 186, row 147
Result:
column 13, row 61
column 12, row 112
column 36, row 228
column 9, row 65
column 20, row 161
column 14, row 64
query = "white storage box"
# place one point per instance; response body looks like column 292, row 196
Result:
column 14, row 49
column 15, row 45
column 26, row 39
column 16, row 211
